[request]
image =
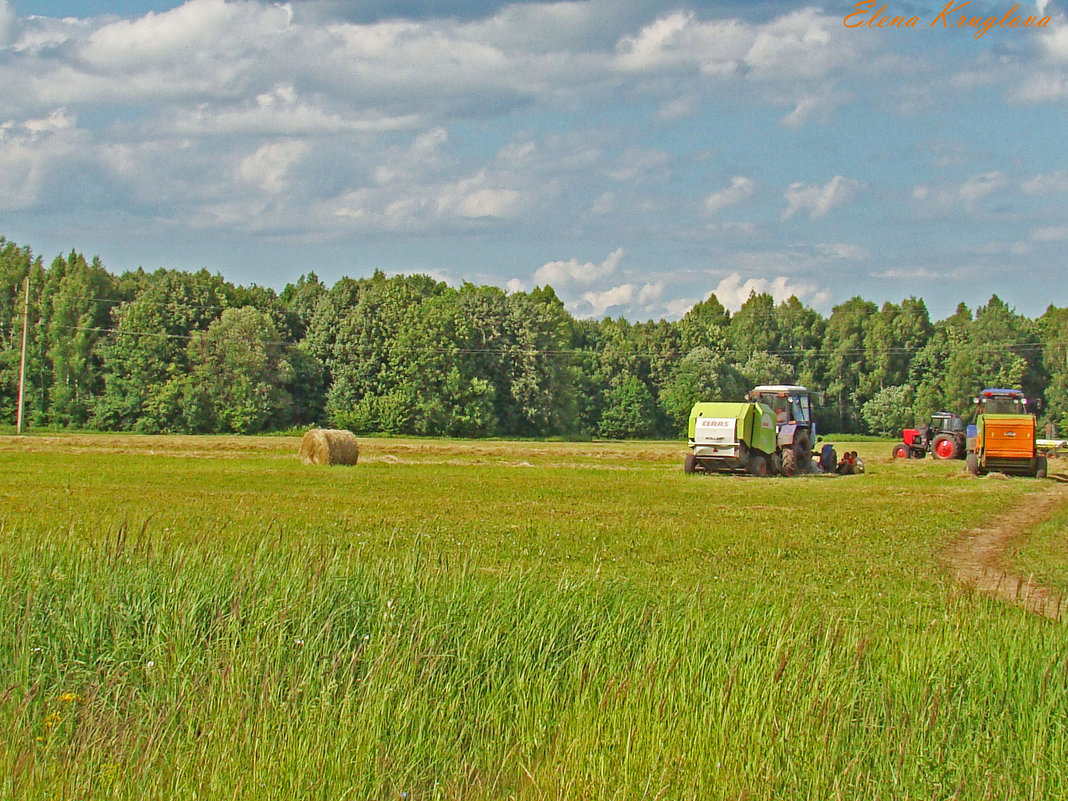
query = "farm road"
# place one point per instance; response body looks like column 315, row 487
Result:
column 978, row 557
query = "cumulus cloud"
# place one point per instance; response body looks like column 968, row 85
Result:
column 1055, row 43
column 733, row 291
column 269, row 166
column 1054, row 233
column 563, row 273
column 1049, row 183
column 7, row 22
column 818, row 200
column 32, row 152
column 740, row 190
column 842, row 250
column 802, row 44
column 967, row 193
column 629, row 297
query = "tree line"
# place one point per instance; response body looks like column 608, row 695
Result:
column 175, row 351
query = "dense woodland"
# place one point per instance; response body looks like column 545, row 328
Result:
column 171, row 351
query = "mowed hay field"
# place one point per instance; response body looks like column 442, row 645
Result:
column 202, row 617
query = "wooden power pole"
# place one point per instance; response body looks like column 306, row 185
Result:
column 22, row 363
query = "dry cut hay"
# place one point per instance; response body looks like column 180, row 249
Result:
column 329, row 446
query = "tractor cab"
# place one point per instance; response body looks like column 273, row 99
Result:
column 947, row 422
column 1001, row 401
column 790, row 403
column 795, row 431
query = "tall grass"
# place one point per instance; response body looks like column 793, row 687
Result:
column 257, row 651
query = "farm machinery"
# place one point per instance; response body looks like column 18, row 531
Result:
column 943, row 437
column 771, row 433
column 1002, row 438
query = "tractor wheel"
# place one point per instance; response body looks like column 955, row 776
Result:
column 972, row 464
column 775, row 465
column 1040, row 467
column 790, row 467
column 689, row 464
column 944, row 447
column 901, row 451
column 758, row 464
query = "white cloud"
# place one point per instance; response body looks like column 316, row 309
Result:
column 476, row 198
column 556, row 273
column 740, row 190
column 968, row 193
column 7, row 23
column 804, row 44
column 1049, row 183
column 628, row 297
column 1055, row 43
column 1054, row 233
column 902, row 274
column 269, row 166
column 31, row 153
column 515, row 285
column 733, row 291
column 842, row 250
column 818, row 200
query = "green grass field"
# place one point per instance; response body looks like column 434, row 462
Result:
column 207, row 618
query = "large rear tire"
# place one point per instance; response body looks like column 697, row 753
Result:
column 689, row 464
column 944, row 447
column 758, row 464
column 901, row 451
column 790, row 466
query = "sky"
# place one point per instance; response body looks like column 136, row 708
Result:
column 635, row 155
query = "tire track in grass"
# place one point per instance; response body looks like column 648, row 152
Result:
column 979, row 557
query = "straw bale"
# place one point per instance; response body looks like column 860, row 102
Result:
column 329, row 446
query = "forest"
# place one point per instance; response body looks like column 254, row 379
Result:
column 189, row 352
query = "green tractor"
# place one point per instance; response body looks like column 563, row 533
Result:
column 795, row 430
column 772, row 433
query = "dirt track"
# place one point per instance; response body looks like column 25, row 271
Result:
column 979, row 560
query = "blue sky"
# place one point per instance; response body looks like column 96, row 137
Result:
column 635, row 155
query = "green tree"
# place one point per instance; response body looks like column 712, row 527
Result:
column 890, row 410
column 630, row 410
column 704, row 325
column 1053, row 328
column 801, row 333
column 149, row 346
column 702, row 375
column 754, row 327
column 242, row 370
column 846, row 361
column 76, row 304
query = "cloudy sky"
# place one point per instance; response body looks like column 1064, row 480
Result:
column 635, row 155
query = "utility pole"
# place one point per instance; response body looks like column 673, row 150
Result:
column 22, row 363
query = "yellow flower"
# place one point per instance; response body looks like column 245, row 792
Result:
column 52, row 720
column 68, row 698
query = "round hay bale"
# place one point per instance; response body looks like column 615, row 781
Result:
column 329, row 446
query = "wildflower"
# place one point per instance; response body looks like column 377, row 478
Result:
column 150, row 664
column 52, row 720
column 69, row 698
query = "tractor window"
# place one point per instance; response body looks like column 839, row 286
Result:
column 800, row 408
column 778, row 404
column 1002, row 405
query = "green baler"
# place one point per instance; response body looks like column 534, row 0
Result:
column 731, row 437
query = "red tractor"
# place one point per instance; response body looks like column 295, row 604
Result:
column 944, row 438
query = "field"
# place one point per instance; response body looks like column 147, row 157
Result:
column 205, row 617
